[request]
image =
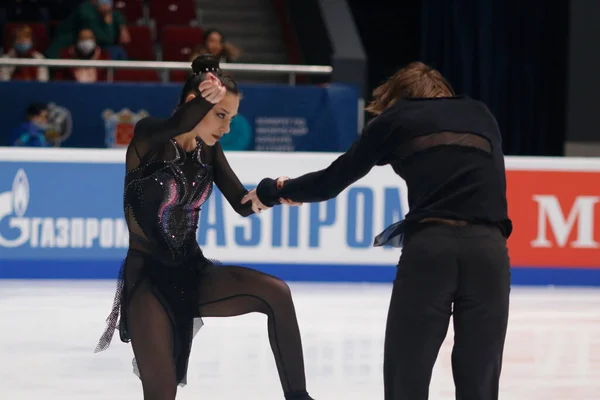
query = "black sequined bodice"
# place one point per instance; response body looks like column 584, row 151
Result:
column 163, row 198
column 165, row 186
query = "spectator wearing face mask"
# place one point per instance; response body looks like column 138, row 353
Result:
column 23, row 47
column 32, row 132
column 85, row 48
column 108, row 25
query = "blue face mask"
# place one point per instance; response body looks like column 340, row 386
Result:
column 22, row 48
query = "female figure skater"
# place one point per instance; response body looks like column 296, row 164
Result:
column 166, row 283
column 454, row 260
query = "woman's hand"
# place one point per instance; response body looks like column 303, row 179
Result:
column 257, row 206
column 280, row 182
column 212, row 89
column 289, row 202
column 124, row 36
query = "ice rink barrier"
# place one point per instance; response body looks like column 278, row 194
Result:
column 61, row 218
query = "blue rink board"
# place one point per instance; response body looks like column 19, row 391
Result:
column 108, row 269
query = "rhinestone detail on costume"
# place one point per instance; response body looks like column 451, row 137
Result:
column 177, row 209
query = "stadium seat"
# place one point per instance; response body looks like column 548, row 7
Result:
column 171, row 12
column 133, row 10
column 177, row 45
column 52, row 25
column 26, row 12
column 179, row 41
column 40, row 35
column 136, row 75
column 140, row 47
column 3, row 20
column 59, row 9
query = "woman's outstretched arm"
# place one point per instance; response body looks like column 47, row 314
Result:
column 229, row 184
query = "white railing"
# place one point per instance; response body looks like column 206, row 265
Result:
column 275, row 69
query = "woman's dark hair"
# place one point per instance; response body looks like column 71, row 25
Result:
column 201, row 66
column 209, row 32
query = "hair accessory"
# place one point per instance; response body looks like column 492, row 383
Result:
column 207, row 69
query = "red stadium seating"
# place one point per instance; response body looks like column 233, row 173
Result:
column 140, row 47
column 172, row 12
column 135, row 75
column 178, row 43
column 132, row 9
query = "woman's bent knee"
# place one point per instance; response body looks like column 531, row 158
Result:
column 274, row 295
column 283, row 289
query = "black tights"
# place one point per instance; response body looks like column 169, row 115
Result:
column 225, row 291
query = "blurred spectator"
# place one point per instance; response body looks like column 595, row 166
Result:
column 23, row 47
column 215, row 44
column 239, row 137
column 85, row 48
column 32, row 132
column 107, row 24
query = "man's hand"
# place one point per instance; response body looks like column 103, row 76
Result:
column 124, row 36
column 280, row 182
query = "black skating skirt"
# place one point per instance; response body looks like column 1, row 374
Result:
column 175, row 284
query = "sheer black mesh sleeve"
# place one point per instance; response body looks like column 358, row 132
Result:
column 228, row 182
column 150, row 132
column 183, row 120
column 355, row 163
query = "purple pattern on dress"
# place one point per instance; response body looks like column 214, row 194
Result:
column 171, row 198
column 178, row 213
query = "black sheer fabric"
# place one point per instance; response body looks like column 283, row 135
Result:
column 454, row 257
column 448, row 150
column 166, row 284
column 433, row 140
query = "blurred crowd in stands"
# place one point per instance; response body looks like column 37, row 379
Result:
column 105, row 30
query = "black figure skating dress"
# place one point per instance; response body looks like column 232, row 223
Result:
column 165, row 186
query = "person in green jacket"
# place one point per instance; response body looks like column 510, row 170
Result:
column 108, row 25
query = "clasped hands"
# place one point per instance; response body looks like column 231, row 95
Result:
column 258, row 206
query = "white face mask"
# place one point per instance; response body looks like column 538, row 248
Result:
column 86, row 46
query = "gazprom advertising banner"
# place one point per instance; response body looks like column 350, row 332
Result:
column 61, row 217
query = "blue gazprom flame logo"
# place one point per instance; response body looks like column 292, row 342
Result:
column 18, row 228
column 20, row 192
column 14, row 204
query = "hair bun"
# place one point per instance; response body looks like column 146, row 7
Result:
column 205, row 63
